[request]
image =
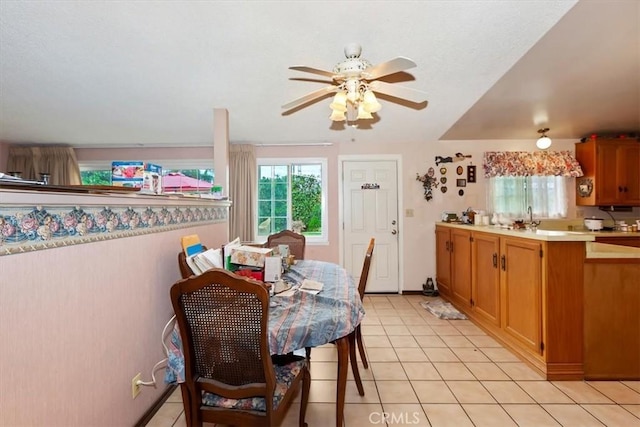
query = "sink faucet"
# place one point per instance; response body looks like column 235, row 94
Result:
column 532, row 224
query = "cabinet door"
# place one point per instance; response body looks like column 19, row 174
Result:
column 628, row 171
column 443, row 260
column 485, row 280
column 521, row 289
column 461, row 266
column 606, row 175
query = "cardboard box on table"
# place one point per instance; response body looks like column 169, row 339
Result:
column 250, row 260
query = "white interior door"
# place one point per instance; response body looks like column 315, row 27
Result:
column 370, row 209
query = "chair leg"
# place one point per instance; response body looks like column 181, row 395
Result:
column 354, row 363
column 363, row 356
column 307, row 351
column 306, row 385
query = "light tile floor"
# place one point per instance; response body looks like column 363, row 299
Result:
column 429, row 372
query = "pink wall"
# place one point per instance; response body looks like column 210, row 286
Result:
column 416, row 236
column 79, row 322
column 144, row 154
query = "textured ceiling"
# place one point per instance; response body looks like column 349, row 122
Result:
column 150, row 73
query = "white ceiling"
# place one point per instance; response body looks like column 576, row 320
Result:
column 100, row 73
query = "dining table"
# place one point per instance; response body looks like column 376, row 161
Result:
column 300, row 319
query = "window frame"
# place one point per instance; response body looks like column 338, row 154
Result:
column 323, row 238
column 105, row 165
column 539, row 211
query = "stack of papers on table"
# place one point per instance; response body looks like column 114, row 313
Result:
column 311, row 286
column 203, row 261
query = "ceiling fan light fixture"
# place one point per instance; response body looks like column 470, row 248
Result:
column 339, row 102
column 544, row 141
column 371, row 104
column 363, row 114
column 338, row 116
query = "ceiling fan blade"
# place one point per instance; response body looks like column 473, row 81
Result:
column 310, row 97
column 313, row 70
column 384, row 69
column 413, row 95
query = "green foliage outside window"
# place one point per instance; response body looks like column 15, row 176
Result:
column 96, row 177
column 306, row 198
column 274, row 198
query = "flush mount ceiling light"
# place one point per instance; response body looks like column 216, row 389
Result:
column 544, row 141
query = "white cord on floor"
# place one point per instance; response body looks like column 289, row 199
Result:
column 157, row 365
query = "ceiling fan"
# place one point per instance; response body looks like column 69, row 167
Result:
column 354, row 82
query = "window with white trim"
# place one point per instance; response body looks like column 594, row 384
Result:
column 291, row 195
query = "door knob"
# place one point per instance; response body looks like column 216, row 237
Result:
column 394, row 232
column 393, row 222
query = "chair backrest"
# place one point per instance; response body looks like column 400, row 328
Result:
column 365, row 268
column 223, row 320
column 295, row 241
column 185, row 270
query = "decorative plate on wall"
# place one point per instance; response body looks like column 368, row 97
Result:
column 585, row 187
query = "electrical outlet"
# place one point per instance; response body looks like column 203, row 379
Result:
column 579, row 213
column 135, row 388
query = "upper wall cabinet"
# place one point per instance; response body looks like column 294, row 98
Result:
column 611, row 172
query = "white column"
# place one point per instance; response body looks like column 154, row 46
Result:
column 221, row 148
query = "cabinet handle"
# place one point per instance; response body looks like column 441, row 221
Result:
column 620, row 189
column 503, row 261
column 495, row 260
column 626, row 189
column 446, row 245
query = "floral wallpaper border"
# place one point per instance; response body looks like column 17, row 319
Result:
column 32, row 228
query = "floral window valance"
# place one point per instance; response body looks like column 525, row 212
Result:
column 525, row 163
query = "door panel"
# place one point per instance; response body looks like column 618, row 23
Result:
column 521, row 266
column 371, row 212
column 486, row 277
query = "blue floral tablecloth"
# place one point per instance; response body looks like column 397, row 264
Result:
column 301, row 320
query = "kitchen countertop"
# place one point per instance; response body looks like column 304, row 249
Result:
column 546, row 235
column 604, row 250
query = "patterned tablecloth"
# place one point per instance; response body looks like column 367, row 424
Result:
column 301, row 320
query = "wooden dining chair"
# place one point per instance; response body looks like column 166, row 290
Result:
column 185, row 270
column 362, row 284
column 230, row 376
column 296, row 242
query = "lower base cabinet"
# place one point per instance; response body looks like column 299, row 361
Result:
column 485, row 277
column 521, row 289
column 528, row 294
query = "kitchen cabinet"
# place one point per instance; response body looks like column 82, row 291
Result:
column 525, row 292
column 460, row 249
column 443, row 260
column 453, row 266
column 485, row 277
column 612, row 319
column 521, row 289
column 633, row 241
column 611, row 170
